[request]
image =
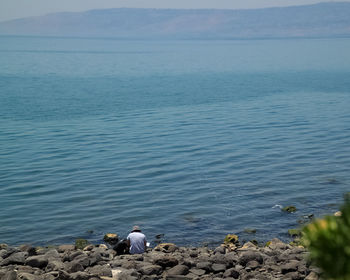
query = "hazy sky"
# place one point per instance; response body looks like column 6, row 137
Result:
column 10, row 9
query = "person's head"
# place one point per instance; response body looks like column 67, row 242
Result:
column 136, row 229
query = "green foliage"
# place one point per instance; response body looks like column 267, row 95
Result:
column 328, row 241
column 81, row 243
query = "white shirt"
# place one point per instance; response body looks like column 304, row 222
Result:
column 137, row 242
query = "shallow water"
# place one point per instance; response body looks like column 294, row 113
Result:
column 193, row 139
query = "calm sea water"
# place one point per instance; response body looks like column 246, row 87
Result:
column 191, row 139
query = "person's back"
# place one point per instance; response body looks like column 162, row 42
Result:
column 136, row 241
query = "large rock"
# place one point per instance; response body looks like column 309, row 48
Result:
column 80, row 276
column 166, row 247
column 100, row 270
column 73, row 266
column 231, row 273
column 111, row 238
column 16, row 258
column 250, row 256
column 178, row 270
column 218, row 267
column 165, row 261
column 151, row 269
column 10, row 275
column 64, row 248
column 37, row 261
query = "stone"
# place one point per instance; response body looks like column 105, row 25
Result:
column 151, row 269
column 177, row 277
column 111, row 238
column 16, row 258
column 289, row 267
column 231, row 238
column 52, row 254
column 179, row 269
column 37, row 261
column 28, row 248
column 88, row 247
column 253, row 265
column 250, row 256
column 10, row 275
column 198, row 272
column 83, row 260
column 166, row 247
column 204, row 265
column 100, row 270
column 312, row 276
column 289, row 209
column 250, row 230
column 103, row 246
column 80, row 276
column 55, row 265
column 218, row 267
column 81, row 243
column 338, row 213
column 64, row 248
column 27, row 276
column 293, row 276
column 220, row 250
column 165, row 261
column 3, row 246
column 73, row 266
column 231, row 273
column 248, row 246
column 276, row 244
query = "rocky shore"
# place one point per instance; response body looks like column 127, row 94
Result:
column 275, row 260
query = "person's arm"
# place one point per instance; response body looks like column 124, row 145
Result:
column 128, row 243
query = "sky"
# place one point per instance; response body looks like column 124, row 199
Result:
column 11, row 9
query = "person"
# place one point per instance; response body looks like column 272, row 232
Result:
column 136, row 241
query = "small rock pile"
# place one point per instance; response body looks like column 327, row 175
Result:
column 167, row 261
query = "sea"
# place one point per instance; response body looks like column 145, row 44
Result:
column 190, row 140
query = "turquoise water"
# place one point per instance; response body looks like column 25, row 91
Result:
column 191, row 139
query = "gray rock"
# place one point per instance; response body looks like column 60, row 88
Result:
column 177, row 277
column 289, row 267
column 52, row 254
column 65, row 248
column 165, row 261
column 218, row 267
column 10, row 275
column 312, row 276
column 220, row 250
column 204, row 265
column 253, row 265
column 231, row 273
column 83, row 259
column 80, row 276
column 293, row 276
column 15, row 258
column 28, row 276
column 198, row 272
column 151, row 269
column 179, row 269
column 29, row 249
column 100, row 270
column 73, row 266
column 276, row 244
column 95, row 258
column 231, row 259
column 55, row 265
column 37, row 261
column 250, row 256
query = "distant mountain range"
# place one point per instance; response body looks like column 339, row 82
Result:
column 320, row 20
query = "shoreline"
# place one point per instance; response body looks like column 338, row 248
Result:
column 230, row 260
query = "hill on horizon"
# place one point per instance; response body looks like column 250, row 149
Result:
column 319, row 20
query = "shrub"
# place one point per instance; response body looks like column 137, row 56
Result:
column 328, row 241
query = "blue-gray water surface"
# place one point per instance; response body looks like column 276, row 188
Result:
column 191, row 139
